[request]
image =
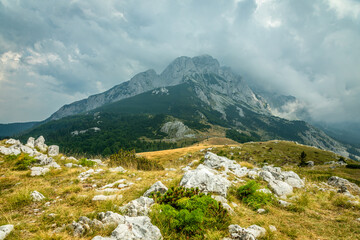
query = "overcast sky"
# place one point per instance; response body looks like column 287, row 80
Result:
column 55, row 52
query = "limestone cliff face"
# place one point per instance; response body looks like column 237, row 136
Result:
column 227, row 83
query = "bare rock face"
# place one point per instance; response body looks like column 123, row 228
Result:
column 280, row 188
column 138, row 207
column 31, row 142
column 206, row 180
column 343, row 184
column 38, row 171
column 251, row 233
column 134, row 228
column 157, row 187
column 53, row 150
column 217, row 162
column 176, row 129
column 5, row 230
column 40, row 143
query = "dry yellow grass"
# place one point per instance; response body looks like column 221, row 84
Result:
column 69, row 199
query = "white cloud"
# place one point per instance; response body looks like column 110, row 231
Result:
column 345, row 8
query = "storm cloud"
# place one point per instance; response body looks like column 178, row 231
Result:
column 55, row 52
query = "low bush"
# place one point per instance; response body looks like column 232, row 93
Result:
column 249, row 195
column 353, row 166
column 24, row 161
column 186, row 213
column 86, row 163
column 128, row 159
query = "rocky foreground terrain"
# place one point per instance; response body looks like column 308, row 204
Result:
column 257, row 190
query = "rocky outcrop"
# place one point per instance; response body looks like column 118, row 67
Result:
column 40, row 143
column 280, row 188
column 206, row 179
column 5, row 230
column 281, row 182
column 156, row 187
column 134, row 228
column 53, row 150
column 251, row 233
column 138, row 207
column 343, row 184
column 177, row 130
column 38, row 171
column 217, row 162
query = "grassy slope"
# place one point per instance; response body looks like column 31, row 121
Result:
column 70, row 199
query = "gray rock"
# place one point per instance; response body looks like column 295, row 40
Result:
column 134, row 228
column 5, row 230
column 341, row 182
column 217, row 162
column 292, row 179
column 310, row 163
column 69, row 165
column 156, row 187
column 284, row 203
column 138, row 207
column 12, row 141
column 176, row 129
column 272, row 228
column 27, row 150
column 30, row 142
column 111, row 218
column 40, row 143
column 264, row 190
column 36, row 196
column 261, row 210
column 44, row 159
column 206, row 180
column 266, row 176
column 280, row 188
column 251, row 233
column 38, row 171
column 53, row 165
column 53, row 150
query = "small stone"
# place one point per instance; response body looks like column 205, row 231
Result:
column 261, row 210
column 36, row 196
column 272, row 228
column 5, row 230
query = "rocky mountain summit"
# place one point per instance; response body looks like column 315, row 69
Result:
column 210, row 191
column 174, row 74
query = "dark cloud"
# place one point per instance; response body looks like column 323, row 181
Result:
column 55, row 52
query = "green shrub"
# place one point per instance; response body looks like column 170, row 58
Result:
column 24, row 162
column 128, row 159
column 86, row 163
column 353, row 166
column 186, row 213
column 249, row 195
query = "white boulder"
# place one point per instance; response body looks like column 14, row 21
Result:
column 53, row 150
column 343, row 184
column 5, row 230
column 156, row 187
column 38, row 171
column 36, row 196
column 40, row 143
column 217, row 162
column 30, row 142
column 280, row 188
column 206, row 180
column 251, row 233
column 138, row 207
column 12, row 141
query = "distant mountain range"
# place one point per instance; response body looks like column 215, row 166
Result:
column 192, row 99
